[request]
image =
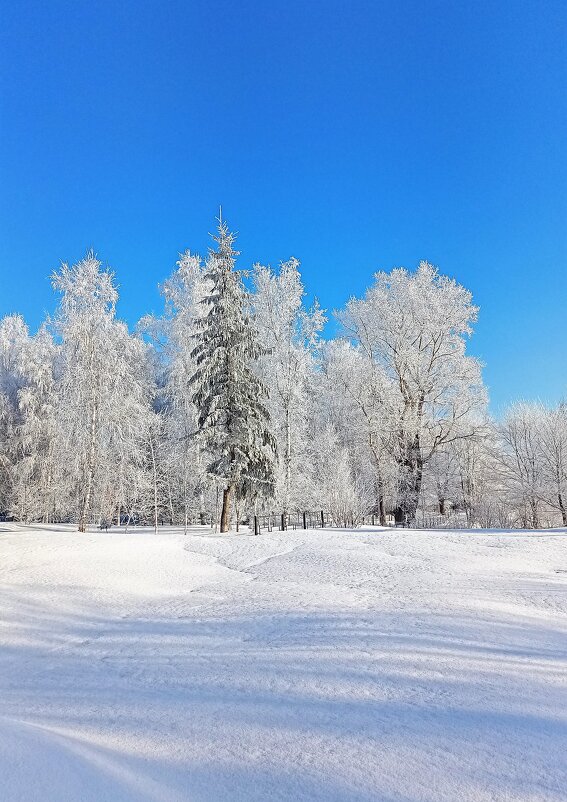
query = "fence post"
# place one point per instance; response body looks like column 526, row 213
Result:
column 372, row 520
column 304, row 521
column 322, row 519
column 282, row 527
column 256, row 526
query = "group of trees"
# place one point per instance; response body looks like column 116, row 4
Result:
column 231, row 404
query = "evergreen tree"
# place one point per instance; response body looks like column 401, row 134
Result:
column 232, row 418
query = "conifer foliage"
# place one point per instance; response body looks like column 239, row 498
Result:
column 232, row 418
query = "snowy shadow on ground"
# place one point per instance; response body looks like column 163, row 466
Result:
column 282, row 705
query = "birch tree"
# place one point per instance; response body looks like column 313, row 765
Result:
column 37, row 492
column 553, row 448
column 14, row 343
column 104, row 401
column 521, row 462
column 184, row 294
column 366, row 414
column 289, row 336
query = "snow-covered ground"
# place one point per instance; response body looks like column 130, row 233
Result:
column 394, row 666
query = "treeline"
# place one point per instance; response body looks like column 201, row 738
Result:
column 232, row 404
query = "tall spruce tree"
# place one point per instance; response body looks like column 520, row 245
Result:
column 232, row 418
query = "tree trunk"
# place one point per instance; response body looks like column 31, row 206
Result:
column 534, row 514
column 48, row 486
column 379, row 483
column 154, row 476
column 562, row 508
column 412, row 467
column 399, row 515
column 287, row 456
column 382, row 510
column 170, row 501
column 381, row 504
column 226, row 502
column 90, row 470
column 88, row 477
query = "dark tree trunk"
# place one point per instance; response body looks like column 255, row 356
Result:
column 381, row 504
column 412, row 466
column 382, row 510
column 534, row 514
column 225, row 514
column 399, row 515
column 562, row 508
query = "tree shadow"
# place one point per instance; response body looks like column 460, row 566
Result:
column 291, row 705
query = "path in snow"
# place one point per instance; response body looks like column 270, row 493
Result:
column 336, row 666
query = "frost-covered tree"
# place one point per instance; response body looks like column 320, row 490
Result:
column 184, row 293
column 103, row 403
column 464, row 477
column 414, row 326
column 124, row 471
column 532, row 462
column 36, row 490
column 344, row 491
column 14, row 345
column 96, row 423
column 363, row 399
column 232, row 416
column 553, row 450
column 521, row 466
column 289, row 337
column 84, row 322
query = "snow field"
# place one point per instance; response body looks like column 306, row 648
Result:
column 370, row 665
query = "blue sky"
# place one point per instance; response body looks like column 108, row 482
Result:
column 355, row 136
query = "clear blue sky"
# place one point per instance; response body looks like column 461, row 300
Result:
column 356, row 136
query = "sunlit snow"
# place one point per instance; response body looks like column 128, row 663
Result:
column 320, row 665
